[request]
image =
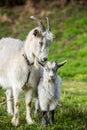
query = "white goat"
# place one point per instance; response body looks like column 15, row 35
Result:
column 17, row 66
column 49, row 89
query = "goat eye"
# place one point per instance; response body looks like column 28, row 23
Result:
column 54, row 70
column 47, row 69
column 41, row 43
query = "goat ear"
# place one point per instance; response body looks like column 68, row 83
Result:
column 36, row 33
column 61, row 64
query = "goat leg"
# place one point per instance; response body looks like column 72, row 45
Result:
column 51, row 114
column 44, row 118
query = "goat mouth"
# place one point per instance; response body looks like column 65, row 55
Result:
column 42, row 63
column 51, row 79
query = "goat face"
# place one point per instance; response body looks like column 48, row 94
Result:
column 41, row 45
column 50, row 70
column 42, row 40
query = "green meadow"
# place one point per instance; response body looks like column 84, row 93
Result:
column 70, row 28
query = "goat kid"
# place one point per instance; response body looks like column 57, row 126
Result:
column 49, row 90
column 17, row 66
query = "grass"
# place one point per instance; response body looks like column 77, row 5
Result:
column 71, row 114
column 70, row 27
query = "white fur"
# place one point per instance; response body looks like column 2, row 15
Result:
column 49, row 93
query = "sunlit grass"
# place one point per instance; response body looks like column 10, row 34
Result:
column 71, row 114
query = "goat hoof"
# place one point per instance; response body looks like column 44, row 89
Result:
column 44, row 122
column 15, row 121
column 51, row 123
column 30, row 121
column 11, row 113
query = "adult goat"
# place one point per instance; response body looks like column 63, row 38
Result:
column 17, row 64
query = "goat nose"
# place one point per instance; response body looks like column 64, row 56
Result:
column 52, row 76
column 45, row 59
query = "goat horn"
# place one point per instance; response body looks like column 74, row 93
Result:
column 39, row 22
column 62, row 63
column 48, row 24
